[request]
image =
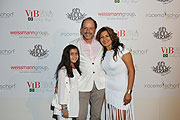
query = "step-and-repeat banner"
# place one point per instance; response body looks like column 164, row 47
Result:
column 33, row 34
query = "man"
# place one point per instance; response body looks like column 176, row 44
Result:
column 92, row 83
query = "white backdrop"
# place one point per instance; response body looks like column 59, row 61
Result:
column 34, row 33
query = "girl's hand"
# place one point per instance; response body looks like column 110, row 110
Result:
column 127, row 98
column 65, row 113
column 56, row 89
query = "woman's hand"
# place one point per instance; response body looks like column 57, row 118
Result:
column 127, row 98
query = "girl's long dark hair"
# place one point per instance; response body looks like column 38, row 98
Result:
column 115, row 41
column 65, row 61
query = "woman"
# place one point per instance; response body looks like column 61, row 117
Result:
column 67, row 75
column 118, row 65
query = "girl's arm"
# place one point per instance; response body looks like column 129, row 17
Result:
column 62, row 89
column 63, row 92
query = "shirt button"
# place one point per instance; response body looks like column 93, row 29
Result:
column 66, row 82
column 93, row 72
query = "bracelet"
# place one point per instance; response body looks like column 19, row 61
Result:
column 129, row 91
column 64, row 108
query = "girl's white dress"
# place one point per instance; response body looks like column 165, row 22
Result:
column 116, row 77
column 68, row 93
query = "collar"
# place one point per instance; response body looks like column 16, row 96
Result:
column 83, row 41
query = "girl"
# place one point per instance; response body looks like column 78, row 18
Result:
column 67, row 75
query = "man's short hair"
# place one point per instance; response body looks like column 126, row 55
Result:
column 89, row 18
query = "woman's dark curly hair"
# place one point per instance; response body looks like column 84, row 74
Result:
column 115, row 41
